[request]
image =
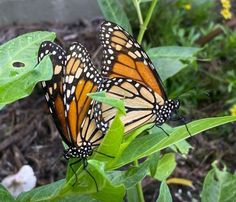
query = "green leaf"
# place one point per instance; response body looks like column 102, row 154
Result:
column 111, row 142
column 43, row 193
column 18, row 82
column 149, row 144
column 128, row 138
column 22, row 85
column 164, row 193
column 170, row 60
column 154, row 158
column 113, row 11
column 5, row 195
column 183, row 147
column 219, row 186
column 114, row 102
column 84, row 188
column 132, row 195
column 131, row 176
column 165, row 166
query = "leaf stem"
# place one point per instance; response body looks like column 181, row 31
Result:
column 139, row 186
column 144, row 25
column 137, row 6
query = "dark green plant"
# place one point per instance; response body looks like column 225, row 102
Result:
column 219, row 185
column 113, row 184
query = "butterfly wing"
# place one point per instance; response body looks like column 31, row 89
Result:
column 53, row 88
column 124, row 57
column 141, row 104
column 80, row 78
column 88, row 131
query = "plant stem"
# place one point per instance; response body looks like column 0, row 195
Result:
column 137, row 6
column 144, row 25
column 139, row 186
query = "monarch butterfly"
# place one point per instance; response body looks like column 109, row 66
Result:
column 132, row 77
column 66, row 94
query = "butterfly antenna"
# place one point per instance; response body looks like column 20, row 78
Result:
column 104, row 154
column 85, row 164
column 96, row 52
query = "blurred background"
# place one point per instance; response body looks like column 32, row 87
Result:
column 206, row 87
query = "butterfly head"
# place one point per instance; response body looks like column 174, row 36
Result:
column 83, row 151
column 165, row 111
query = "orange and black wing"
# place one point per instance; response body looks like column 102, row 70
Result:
column 53, row 88
column 141, row 104
column 80, row 78
column 88, row 131
column 124, row 57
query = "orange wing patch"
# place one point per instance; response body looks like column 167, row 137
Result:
column 124, row 57
column 81, row 78
column 72, row 119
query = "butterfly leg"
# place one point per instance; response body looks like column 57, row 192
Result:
column 76, row 177
column 182, row 120
column 167, row 134
column 104, row 154
column 85, row 164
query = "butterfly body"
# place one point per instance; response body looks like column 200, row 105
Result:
column 82, row 152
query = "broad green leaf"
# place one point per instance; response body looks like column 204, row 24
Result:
column 5, row 195
column 170, row 60
column 149, row 144
column 183, row 147
column 219, row 186
column 22, row 85
column 108, row 149
column 153, row 158
column 131, row 176
column 86, row 184
column 165, row 166
column 164, row 193
column 18, row 82
column 101, row 97
column 128, row 138
column 84, row 188
column 113, row 11
column 111, row 142
column 43, row 193
column 132, row 195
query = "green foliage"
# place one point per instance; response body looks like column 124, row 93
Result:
column 146, row 145
column 165, row 166
column 219, row 186
column 113, row 11
column 174, row 26
column 5, row 195
column 164, row 195
column 18, row 82
column 170, row 60
column 101, row 97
